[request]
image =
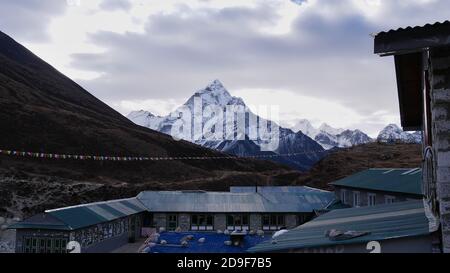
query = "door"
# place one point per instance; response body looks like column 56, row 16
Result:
column 132, row 229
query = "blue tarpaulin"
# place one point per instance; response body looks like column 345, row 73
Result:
column 214, row 243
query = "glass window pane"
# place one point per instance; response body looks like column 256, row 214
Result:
column 245, row 220
column 273, row 220
column 237, row 220
column 230, row 220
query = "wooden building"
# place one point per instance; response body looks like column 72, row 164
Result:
column 241, row 209
column 422, row 64
column 402, row 227
column 97, row 227
column 106, row 226
column 379, row 186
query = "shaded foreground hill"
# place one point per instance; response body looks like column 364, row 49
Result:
column 344, row 162
column 41, row 110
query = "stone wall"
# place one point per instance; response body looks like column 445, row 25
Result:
column 440, row 112
column 160, row 220
column 184, row 221
column 255, row 222
column 220, row 222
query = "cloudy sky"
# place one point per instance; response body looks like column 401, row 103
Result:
column 312, row 58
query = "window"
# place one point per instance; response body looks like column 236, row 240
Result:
column 371, row 199
column 301, row 219
column 172, row 222
column 344, row 196
column 273, row 221
column 57, row 246
column 49, row 246
column 27, row 245
column 238, row 222
column 202, row 222
column 389, row 199
column 44, row 245
column 356, row 198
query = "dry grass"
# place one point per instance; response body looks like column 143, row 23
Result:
column 345, row 162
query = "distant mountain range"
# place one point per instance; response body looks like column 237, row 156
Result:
column 306, row 143
column 330, row 137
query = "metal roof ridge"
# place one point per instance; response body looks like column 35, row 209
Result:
column 364, row 217
column 89, row 204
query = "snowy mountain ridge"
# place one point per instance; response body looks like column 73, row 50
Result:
column 330, row 137
column 393, row 133
column 215, row 95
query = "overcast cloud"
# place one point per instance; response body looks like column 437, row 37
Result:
column 320, row 51
column 112, row 5
column 29, row 19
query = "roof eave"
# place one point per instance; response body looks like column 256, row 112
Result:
column 412, row 40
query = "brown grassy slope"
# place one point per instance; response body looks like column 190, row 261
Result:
column 41, row 110
column 345, row 162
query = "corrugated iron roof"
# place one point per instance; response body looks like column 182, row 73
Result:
column 408, row 181
column 412, row 39
column 382, row 222
column 229, row 202
column 412, row 28
column 292, row 189
column 40, row 221
column 94, row 213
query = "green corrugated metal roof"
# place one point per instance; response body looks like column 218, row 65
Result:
column 389, row 180
column 220, row 202
column 40, row 221
column 403, row 219
column 269, row 189
column 94, row 213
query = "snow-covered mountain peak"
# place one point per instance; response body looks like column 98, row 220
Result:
column 330, row 137
column 393, row 133
column 216, row 94
column 306, row 127
column 330, row 130
column 393, row 127
column 145, row 118
column 140, row 114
